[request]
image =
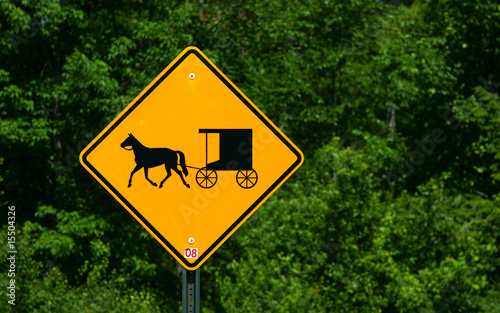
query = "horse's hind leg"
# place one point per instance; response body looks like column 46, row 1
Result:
column 147, row 178
column 168, row 175
column 180, row 174
column 137, row 167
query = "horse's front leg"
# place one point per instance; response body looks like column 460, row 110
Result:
column 137, row 167
column 147, row 178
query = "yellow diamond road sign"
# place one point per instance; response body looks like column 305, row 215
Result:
column 191, row 158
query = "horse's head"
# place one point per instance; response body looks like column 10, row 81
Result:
column 129, row 142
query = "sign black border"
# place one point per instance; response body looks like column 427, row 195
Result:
column 202, row 257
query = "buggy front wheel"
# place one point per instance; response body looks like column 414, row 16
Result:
column 246, row 178
column 206, row 178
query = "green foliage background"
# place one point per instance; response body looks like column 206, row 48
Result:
column 394, row 103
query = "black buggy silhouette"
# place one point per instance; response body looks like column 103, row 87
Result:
column 235, row 154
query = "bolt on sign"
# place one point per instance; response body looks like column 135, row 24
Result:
column 191, row 158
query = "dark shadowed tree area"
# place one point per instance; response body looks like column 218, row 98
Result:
column 394, row 104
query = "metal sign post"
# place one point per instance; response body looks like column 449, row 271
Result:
column 190, row 291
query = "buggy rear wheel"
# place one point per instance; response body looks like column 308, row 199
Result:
column 246, row 178
column 206, row 178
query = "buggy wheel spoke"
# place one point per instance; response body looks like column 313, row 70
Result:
column 206, row 178
column 246, row 178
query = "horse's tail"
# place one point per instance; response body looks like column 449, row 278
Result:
column 182, row 161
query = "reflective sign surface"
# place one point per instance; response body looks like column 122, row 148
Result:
column 191, row 158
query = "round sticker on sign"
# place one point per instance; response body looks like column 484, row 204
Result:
column 191, row 253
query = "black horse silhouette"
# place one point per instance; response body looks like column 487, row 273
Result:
column 151, row 157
